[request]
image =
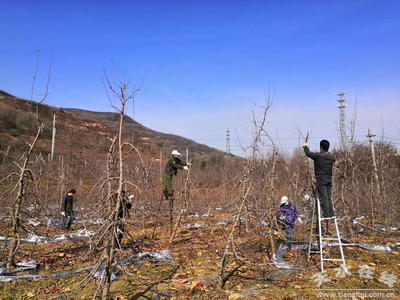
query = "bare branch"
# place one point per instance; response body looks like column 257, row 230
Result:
column 36, row 70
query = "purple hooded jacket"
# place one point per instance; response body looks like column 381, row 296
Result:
column 288, row 214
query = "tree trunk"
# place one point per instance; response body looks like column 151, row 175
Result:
column 16, row 219
column 270, row 204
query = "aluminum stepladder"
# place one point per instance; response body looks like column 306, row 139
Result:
column 321, row 239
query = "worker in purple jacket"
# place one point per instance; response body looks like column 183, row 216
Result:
column 287, row 217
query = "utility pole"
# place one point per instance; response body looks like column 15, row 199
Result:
column 62, row 177
column 371, row 142
column 133, row 120
column 53, row 139
column 342, row 120
column 228, row 139
column 161, row 167
column 375, row 175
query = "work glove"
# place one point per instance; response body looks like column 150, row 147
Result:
column 186, row 168
column 300, row 221
column 189, row 164
column 63, row 213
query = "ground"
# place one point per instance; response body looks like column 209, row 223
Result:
column 193, row 273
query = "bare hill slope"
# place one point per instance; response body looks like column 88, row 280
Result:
column 80, row 132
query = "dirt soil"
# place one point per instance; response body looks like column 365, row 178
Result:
column 194, row 271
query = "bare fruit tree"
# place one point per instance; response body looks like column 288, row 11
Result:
column 112, row 243
column 247, row 189
column 26, row 175
column 260, row 131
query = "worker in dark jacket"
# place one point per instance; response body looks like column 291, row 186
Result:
column 67, row 209
column 123, row 212
column 323, row 164
column 171, row 169
column 287, row 217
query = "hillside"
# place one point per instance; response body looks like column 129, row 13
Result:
column 79, row 132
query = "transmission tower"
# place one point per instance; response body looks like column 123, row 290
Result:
column 228, row 141
column 342, row 120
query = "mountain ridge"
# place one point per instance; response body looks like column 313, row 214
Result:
column 81, row 132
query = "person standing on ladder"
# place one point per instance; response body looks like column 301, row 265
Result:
column 323, row 164
column 171, row 169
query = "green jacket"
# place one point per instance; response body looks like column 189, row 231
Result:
column 172, row 166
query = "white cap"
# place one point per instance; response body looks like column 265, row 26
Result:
column 175, row 152
column 284, row 200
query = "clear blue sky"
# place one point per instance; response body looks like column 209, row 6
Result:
column 204, row 62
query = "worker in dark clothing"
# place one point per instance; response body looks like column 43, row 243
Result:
column 171, row 169
column 287, row 217
column 67, row 209
column 323, row 164
column 123, row 212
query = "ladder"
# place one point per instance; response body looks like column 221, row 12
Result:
column 334, row 238
column 164, row 196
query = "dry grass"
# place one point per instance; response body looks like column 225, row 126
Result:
column 196, row 253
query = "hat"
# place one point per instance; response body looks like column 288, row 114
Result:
column 175, row 152
column 284, row 200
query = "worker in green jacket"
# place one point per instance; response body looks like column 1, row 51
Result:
column 171, row 169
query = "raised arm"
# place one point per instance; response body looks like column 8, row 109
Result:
column 308, row 153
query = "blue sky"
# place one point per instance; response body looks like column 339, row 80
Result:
column 206, row 62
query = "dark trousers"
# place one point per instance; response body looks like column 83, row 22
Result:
column 168, row 184
column 324, row 188
column 67, row 220
column 120, row 231
column 289, row 230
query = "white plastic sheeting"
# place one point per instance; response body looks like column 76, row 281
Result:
column 23, row 266
column 195, row 226
column 33, row 222
column 154, row 256
column 99, row 274
column 162, row 255
column 34, row 238
column 12, row 278
column 380, row 248
column 280, row 263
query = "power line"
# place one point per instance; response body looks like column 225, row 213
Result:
column 296, row 138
